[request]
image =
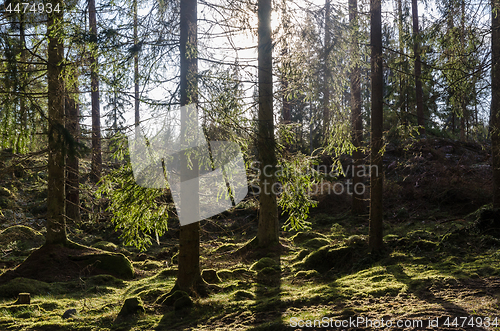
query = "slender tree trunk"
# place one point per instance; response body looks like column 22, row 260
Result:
column 326, row 72
column 377, row 120
column 72, row 161
column 463, row 103
column 23, row 82
column 356, row 120
column 56, row 223
column 189, row 276
column 418, row 69
column 268, row 230
column 495, row 99
column 94, row 87
column 136, row 68
column 402, row 76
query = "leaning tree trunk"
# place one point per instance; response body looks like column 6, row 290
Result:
column 377, row 81
column 267, row 233
column 495, row 100
column 356, row 120
column 96, row 166
column 56, row 223
column 189, row 276
column 418, row 70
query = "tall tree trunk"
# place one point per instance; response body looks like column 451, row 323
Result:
column 189, row 276
column 23, row 82
column 72, row 161
column 326, row 72
column 377, row 120
column 463, row 103
column 402, row 59
column 136, row 68
column 56, row 223
column 268, row 229
column 356, row 120
column 495, row 99
column 418, row 69
column 94, row 87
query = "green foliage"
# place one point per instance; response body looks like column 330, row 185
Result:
column 138, row 211
column 297, row 179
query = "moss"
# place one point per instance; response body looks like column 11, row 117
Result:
column 302, row 237
column 149, row 265
column 210, row 276
column 340, row 259
column 150, row 295
column 307, row 274
column 243, row 295
column 265, row 262
column 25, row 237
column 116, row 264
column 106, row 280
column 106, row 246
column 224, row 274
column 167, row 273
column 170, row 298
column 132, row 306
column 226, row 248
column 19, row 285
column 316, row 243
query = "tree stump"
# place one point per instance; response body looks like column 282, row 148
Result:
column 23, row 299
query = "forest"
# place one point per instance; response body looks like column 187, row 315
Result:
column 249, row 165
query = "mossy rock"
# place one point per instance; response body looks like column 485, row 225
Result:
column 210, row 276
column 241, row 295
column 265, row 262
column 302, row 237
column 100, row 290
column 329, row 257
column 26, row 237
column 242, row 273
column 170, row 298
column 316, row 243
column 149, row 265
column 24, row 285
column 183, row 302
column 167, row 273
column 307, row 274
column 355, row 240
column 151, row 295
column 106, row 280
column 224, row 274
column 132, row 306
column 115, row 264
column 106, row 246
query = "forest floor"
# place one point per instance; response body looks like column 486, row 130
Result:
column 440, row 269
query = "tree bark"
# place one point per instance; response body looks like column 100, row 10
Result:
column 72, row 161
column 327, row 73
column 418, row 70
column 377, row 120
column 96, row 166
column 356, row 120
column 268, row 229
column 136, row 68
column 495, row 99
column 189, row 276
column 56, row 223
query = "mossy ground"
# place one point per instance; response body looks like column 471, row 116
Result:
column 436, row 265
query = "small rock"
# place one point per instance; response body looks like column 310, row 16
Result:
column 210, row 276
column 131, row 306
column 69, row 313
